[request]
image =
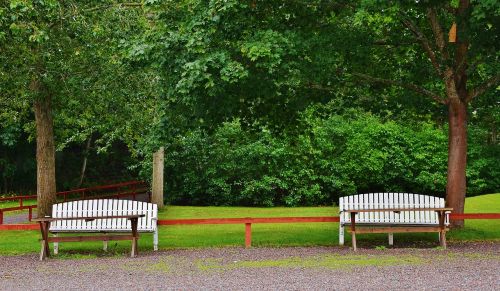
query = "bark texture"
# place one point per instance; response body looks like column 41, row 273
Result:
column 45, row 154
column 456, row 90
column 457, row 157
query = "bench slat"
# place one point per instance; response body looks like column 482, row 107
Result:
column 421, row 204
column 103, row 207
column 397, row 229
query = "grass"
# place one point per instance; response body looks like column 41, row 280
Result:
column 489, row 203
column 328, row 261
column 179, row 212
column 15, row 203
column 293, row 234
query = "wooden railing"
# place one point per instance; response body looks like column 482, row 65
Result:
column 128, row 189
column 248, row 221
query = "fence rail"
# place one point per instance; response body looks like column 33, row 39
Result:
column 133, row 189
column 248, row 221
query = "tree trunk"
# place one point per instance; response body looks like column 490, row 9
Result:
column 456, row 87
column 45, row 153
column 457, row 157
column 84, row 164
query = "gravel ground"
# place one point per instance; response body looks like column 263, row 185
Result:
column 462, row 266
column 17, row 217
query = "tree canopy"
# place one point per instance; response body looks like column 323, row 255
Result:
column 259, row 102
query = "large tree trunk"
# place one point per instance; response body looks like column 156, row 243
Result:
column 456, row 87
column 45, row 154
column 457, row 157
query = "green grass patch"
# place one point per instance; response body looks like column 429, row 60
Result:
column 15, row 203
column 327, row 261
column 184, row 212
column 489, row 203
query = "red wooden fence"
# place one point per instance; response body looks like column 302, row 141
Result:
column 248, row 222
column 131, row 187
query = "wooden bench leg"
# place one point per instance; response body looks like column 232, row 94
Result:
column 353, row 230
column 155, row 240
column 391, row 238
column 341, row 235
column 443, row 239
column 442, row 232
column 43, row 255
column 56, row 246
column 353, row 234
column 133, row 252
column 44, row 228
column 133, row 223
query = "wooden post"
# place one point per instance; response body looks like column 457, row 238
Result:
column 158, row 163
column 248, row 234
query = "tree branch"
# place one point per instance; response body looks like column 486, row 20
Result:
column 438, row 32
column 483, row 87
column 410, row 86
column 424, row 42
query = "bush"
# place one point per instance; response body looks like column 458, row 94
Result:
column 331, row 155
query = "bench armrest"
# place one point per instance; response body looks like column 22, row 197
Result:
column 447, row 217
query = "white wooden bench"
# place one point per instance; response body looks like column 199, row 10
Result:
column 101, row 208
column 393, row 212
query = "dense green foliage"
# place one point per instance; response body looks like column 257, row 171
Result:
column 256, row 102
column 332, row 155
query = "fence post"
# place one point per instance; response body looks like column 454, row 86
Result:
column 1, row 216
column 20, row 202
column 248, row 233
column 158, row 164
column 30, row 213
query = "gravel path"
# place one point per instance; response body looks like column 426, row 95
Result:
column 461, row 267
column 17, row 217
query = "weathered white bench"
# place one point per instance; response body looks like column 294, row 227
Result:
column 96, row 208
column 391, row 213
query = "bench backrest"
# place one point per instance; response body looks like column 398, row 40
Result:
column 104, row 207
column 391, row 200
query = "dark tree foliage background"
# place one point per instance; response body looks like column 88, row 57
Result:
column 258, row 103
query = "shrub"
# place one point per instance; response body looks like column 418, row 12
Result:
column 327, row 157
